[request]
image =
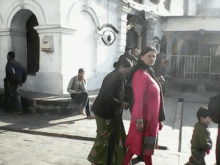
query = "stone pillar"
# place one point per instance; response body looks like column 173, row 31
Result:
column 19, row 45
column 5, row 47
column 122, row 12
column 201, row 80
column 139, row 29
column 97, row 53
column 54, row 66
column 151, row 22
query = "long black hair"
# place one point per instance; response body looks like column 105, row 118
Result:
column 140, row 64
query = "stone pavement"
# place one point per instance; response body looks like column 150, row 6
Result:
column 68, row 139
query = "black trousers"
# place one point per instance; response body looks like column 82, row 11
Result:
column 82, row 98
column 12, row 100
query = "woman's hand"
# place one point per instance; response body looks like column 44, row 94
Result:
column 125, row 105
column 208, row 151
column 78, row 91
column 139, row 125
column 161, row 79
column 160, row 126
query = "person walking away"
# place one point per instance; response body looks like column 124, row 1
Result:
column 160, row 68
column 16, row 75
column 201, row 142
column 109, row 148
column 78, row 93
column 147, row 111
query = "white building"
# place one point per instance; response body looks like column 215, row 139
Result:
column 72, row 29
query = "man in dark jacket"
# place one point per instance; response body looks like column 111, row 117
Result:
column 129, row 56
column 16, row 75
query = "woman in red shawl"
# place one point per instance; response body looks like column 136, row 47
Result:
column 147, row 111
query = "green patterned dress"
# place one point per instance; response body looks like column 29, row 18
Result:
column 109, row 146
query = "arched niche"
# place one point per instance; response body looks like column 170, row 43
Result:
column 78, row 7
column 174, row 47
column 163, row 45
column 25, row 40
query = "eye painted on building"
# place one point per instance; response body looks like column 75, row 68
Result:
column 108, row 37
column 108, row 32
column 156, row 44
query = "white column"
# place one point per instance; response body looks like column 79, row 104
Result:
column 122, row 12
column 95, row 61
column 5, row 47
column 151, row 22
column 53, row 73
column 139, row 29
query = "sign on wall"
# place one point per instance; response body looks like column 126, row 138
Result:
column 47, row 44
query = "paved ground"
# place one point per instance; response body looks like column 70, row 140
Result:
column 67, row 140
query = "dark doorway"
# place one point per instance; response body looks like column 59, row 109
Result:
column 132, row 38
column 163, row 45
column 32, row 46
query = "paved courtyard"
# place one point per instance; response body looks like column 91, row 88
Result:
column 67, row 140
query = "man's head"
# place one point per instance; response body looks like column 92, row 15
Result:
column 81, row 74
column 11, row 55
column 165, row 62
column 128, row 50
column 137, row 53
column 203, row 115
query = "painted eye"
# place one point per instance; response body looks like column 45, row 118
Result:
column 156, row 45
column 108, row 37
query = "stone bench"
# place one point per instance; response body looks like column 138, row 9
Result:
column 40, row 103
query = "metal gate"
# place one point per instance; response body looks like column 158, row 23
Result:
column 187, row 66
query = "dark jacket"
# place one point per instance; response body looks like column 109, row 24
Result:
column 111, row 95
column 200, row 143
column 15, row 73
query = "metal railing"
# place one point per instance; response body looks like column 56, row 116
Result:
column 187, row 66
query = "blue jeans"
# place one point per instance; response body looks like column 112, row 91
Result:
column 12, row 98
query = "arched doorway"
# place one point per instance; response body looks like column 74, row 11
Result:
column 132, row 38
column 32, row 46
column 163, row 45
column 25, row 40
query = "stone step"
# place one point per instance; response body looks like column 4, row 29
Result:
column 34, row 102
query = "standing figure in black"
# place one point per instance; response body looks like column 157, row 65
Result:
column 16, row 75
column 109, row 148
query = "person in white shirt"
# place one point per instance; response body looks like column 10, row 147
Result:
column 77, row 90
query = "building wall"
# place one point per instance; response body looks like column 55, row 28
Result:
column 85, row 49
column 76, row 39
column 14, row 15
column 192, row 24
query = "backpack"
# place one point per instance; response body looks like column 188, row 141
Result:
column 214, row 108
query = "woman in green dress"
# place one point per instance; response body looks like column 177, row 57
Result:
column 109, row 146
